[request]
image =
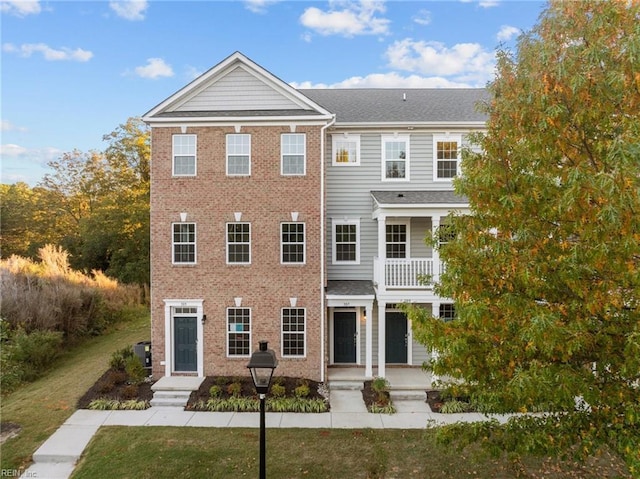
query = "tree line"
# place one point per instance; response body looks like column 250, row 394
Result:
column 95, row 205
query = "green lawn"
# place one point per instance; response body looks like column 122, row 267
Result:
column 42, row 406
column 152, row 452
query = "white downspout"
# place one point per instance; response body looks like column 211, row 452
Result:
column 322, row 247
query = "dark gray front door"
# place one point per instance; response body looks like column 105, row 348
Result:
column 185, row 339
column 344, row 337
column 396, row 337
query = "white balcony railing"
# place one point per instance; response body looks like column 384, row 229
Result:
column 404, row 273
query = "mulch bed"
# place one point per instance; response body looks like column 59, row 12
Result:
column 114, row 384
column 248, row 390
column 370, row 397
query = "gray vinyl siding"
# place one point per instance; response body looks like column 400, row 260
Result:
column 239, row 90
column 348, row 196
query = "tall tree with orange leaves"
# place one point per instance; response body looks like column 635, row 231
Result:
column 545, row 271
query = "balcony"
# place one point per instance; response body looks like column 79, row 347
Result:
column 404, row 273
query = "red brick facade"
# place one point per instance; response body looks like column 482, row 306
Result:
column 210, row 199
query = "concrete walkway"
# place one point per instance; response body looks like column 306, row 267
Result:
column 57, row 457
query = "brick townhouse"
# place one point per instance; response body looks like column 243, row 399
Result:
column 297, row 217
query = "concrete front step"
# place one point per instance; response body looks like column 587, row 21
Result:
column 174, row 391
column 408, row 394
column 346, row 385
column 170, row 398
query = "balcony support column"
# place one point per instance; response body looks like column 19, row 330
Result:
column 382, row 308
column 382, row 252
column 435, row 254
column 435, row 311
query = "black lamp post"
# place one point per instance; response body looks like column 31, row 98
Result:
column 262, row 363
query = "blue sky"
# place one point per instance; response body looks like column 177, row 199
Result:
column 73, row 71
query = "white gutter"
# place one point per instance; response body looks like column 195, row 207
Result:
column 322, row 247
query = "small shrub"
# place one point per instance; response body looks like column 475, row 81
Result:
column 130, row 391
column 35, row 351
column 379, row 384
column 221, row 381
column 106, row 386
column 234, row 389
column 118, row 377
column 302, row 391
column 119, row 358
column 215, row 391
column 454, row 406
column 279, row 380
column 135, row 370
column 382, row 409
column 278, row 390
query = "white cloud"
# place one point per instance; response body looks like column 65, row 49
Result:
column 20, row 8
column 347, row 18
column 6, row 125
column 387, row 80
column 129, row 9
column 488, row 3
column 39, row 156
column 463, row 62
column 49, row 54
column 155, row 68
column 259, row 6
column 423, row 17
column 507, row 32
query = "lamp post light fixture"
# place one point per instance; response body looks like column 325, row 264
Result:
column 262, row 363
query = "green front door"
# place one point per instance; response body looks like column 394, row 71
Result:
column 396, row 338
column 344, row 337
column 184, row 340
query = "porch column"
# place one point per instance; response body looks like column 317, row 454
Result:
column 435, row 311
column 368, row 368
column 382, row 253
column 382, row 306
column 435, row 254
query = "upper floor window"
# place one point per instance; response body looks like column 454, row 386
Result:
column 446, row 154
column 396, row 240
column 346, row 150
column 184, row 243
column 346, row 241
column 395, row 157
column 184, row 155
column 293, row 149
column 238, row 243
column 292, row 243
column 238, row 155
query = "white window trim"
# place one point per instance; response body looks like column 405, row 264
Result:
column 344, row 221
column 304, row 334
column 195, row 244
column 227, row 154
column 436, row 139
column 228, row 332
column 304, row 155
column 407, row 223
column 173, row 156
column 304, row 243
column 226, row 235
column 407, row 162
column 341, row 137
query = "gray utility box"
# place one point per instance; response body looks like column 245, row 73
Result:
column 143, row 351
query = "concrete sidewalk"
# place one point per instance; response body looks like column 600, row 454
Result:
column 57, row 457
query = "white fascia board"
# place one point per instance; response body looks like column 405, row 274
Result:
column 245, row 121
column 415, row 211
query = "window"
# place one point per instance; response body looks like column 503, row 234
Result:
column 239, row 243
column 238, row 155
column 396, row 240
column 293, row 148
column 346, row 247
column 184, row 155
column 292, row 243
column 184, row 243
column 447, row 312
column 346, row 150
column 446, row 232
column 238, row 331
column 446, row 154
column 293, row 332
column 395, row 157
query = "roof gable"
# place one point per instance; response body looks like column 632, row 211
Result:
column 238, row 85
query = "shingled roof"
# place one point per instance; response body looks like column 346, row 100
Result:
column 383, row 105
